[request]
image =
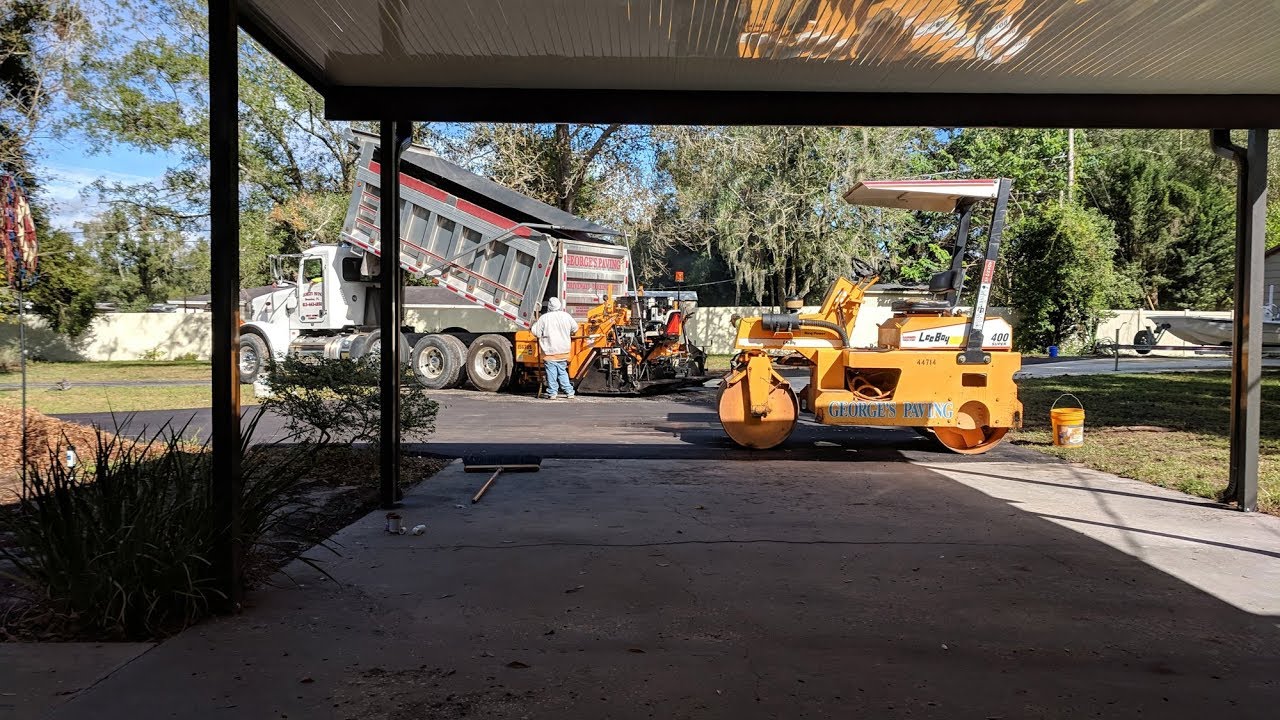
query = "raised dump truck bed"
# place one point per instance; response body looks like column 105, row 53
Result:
column 484, row 242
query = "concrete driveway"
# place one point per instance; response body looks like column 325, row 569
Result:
column 651, row 570
column 1130, row 364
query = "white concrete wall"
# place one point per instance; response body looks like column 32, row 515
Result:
column 712, row 330
column 170, row 336
column 120, row 336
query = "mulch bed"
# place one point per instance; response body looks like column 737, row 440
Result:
column 44, row 434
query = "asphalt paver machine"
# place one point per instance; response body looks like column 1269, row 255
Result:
column 944, row 370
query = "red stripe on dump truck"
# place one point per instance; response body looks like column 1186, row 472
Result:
column 492, row 218
column 414, row 183
column 469, row 208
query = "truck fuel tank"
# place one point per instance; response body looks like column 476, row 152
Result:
column 323, row 346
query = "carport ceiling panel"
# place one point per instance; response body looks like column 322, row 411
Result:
column 956, row 46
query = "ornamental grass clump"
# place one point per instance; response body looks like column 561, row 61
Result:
column 120, row 545
column 338, row 399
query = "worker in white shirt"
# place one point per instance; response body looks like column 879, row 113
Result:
column 554, row 331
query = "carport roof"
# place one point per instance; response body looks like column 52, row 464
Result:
column 1150, row 63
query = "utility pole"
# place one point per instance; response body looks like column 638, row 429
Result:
column 1071, row 165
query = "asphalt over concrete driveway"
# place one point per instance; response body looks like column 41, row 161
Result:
column 649, row 570
column 676, row 425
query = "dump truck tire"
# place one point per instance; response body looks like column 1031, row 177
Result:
column 437, row 361
column 373, row 346
column 490, row 362
column 253, row 357
column 460, row 353
column 356, row 349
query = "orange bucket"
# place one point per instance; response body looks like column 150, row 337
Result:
column 1068, row 423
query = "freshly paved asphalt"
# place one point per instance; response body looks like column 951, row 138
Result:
column 650, row 569
column 679, row 425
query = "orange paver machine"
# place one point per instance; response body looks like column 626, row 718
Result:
column 946, row 371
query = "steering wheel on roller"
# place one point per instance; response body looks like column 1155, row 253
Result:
column 862, row 268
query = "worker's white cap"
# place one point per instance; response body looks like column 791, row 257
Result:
column 554, row 304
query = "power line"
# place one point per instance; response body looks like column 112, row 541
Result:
column 133, row 232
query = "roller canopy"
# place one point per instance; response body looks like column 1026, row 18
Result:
column 933, row 195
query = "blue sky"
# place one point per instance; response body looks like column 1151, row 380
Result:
column 67, row 167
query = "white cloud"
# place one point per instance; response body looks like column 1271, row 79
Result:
column 65, row 191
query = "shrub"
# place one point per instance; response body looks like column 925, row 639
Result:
column 339, row 398
column 117, row 548
column 1062, row 276
column 9, row 360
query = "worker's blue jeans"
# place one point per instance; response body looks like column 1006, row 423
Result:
column 558, row 378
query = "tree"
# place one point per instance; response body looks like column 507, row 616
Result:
column 593, row 170
column 144, row 83
column 141, row 260
column 64, row 293
column 1171, row 201
column 1273, row 222
column 1062, row 277
column 37, row 41
column 767, row 201
column 1035, row 159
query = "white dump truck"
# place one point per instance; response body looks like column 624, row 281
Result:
column 493, row 248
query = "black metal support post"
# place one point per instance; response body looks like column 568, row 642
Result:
column 1246, row 330
column 975, row 339
column 224, row 250
column 957, row 261
column 395, row 137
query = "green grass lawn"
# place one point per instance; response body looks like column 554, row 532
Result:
column 90, row 398
column 50, row 372
column 82, row 398
column 718, row 363
column 1169, row 429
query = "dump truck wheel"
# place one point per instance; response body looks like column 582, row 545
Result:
column 459, row 349
column 373, row 346
column 437, row 361
column 750, row 431
column 969, row 442
column 356, row 348
column 490, row 362
column 253, row 357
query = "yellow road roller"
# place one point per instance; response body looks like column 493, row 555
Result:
column 945, row 370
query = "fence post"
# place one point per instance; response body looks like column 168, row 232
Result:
column 1116, row 349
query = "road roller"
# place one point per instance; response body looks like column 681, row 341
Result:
column 940, row 368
